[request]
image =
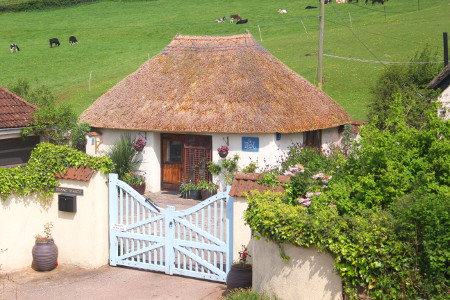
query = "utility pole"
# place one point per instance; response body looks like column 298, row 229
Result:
column 320, row 61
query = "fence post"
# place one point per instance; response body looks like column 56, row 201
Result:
column 113, row 217
column 170, row 236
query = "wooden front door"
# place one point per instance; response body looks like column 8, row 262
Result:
column 172, row 161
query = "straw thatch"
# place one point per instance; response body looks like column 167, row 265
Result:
column 228, row 84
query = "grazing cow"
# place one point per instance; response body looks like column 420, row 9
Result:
column 235, row 17
column 242, row 21
column 54, row 41
column 73, row 40
column 14, row 48
column 310, row 7
column 282, row 11
column 221, row 20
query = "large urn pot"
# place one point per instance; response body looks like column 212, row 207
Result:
column 45, row 255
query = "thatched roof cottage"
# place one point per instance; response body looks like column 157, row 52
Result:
column 202, row 92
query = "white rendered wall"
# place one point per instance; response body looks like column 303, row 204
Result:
column 81, row 237
column 307, row 275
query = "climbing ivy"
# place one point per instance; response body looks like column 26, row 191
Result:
column 38, row 176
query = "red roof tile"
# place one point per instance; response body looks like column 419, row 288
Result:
column 246, row 182
column 80, row 174
column 14, row 111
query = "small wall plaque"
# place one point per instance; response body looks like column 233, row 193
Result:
column 250, row 144
column 119, row 227
column 70, row 191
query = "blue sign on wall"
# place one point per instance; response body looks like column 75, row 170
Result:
column 250, row 144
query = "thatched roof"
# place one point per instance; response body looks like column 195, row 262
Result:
column 14, row 111
column 228, row 84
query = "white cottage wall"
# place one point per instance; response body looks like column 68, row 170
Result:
column 149, row 157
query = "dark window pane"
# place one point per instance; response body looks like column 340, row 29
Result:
column 174, row 151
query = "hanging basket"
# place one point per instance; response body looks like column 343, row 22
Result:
column 223, row 154
column 45, row 256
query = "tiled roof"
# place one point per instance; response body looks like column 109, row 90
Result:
column 14, row 111
column 246, row 182
column 213, row 84
column 80, row 174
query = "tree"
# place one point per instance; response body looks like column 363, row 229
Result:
column 410, row 81
column 55, row 123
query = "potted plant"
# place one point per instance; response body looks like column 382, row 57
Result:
column 45, row 252
column 190, row 190
column 207, row 189
column 223, row 151
column 136, row 181
column 139, row 144
column 240, row 274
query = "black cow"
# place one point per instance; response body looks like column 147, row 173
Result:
column 242, row 21
column 73, row 40
column 311, row 7
column 14, row 47
column 54, row 41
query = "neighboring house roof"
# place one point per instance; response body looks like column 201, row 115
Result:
column 228, row 84
column 442, row 80
column 244, row 183
column 14, row 111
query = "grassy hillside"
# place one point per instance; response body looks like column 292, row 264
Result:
column 115, row 38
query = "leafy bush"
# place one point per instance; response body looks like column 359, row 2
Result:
column 247, row 294
column 46, row 160
column 122, row 154
column 382, row 211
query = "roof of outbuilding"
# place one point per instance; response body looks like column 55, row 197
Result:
column 228, row 84
column 14, row 111
column 246, row 182
column 439, row 78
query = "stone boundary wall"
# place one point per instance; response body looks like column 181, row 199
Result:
column 82, row 237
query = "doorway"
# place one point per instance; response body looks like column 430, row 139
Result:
column 184, row 159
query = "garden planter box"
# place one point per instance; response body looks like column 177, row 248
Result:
column 239, row 277
column 139, row 188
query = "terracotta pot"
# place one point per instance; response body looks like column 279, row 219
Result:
column 45, row 256
column 139, row 188
column 239, row 277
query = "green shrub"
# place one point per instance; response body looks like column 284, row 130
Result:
column 247, row 294
column 122, row 154
column 46, row 160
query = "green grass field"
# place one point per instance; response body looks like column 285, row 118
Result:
column 115, row 38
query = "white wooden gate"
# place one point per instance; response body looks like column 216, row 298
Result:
column 196, row 242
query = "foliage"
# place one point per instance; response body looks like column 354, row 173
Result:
column 270, row 180
column 247, row 294
column 204, row 185
column 55, row 123
column 410, row 81
column 78, row 135
column 243, row 255
column 132, row 178
column 46, row 160
column 250, row 168
column 228, row 166
column 382, row 211
column 122, row 154
column 188, row 186
column 47, row 234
